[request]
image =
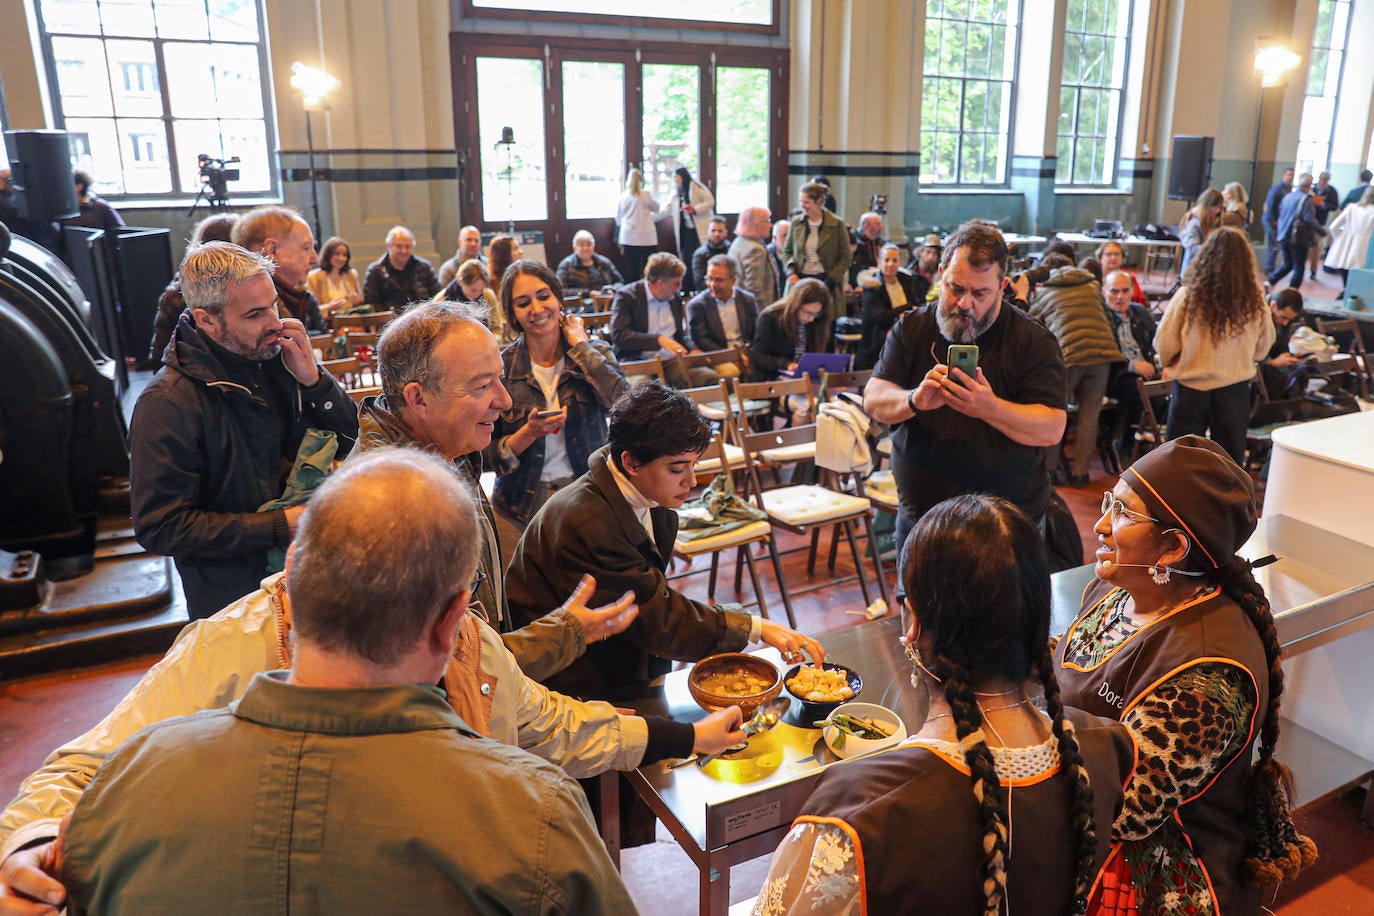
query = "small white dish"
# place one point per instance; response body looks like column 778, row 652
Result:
column 853, row 746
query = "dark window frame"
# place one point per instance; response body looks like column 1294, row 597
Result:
column 465, row 48
column 470, row 11
column 1010, row 82
column 1115, row 175
column 176, row 194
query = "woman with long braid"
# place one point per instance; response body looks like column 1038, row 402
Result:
column 991, row 807
column 1177, row 641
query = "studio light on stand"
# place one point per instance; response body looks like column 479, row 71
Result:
column 1273, row 62
column 508, row 141
column 314, row 85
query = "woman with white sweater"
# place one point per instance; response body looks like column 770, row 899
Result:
column 1352, row 231
column 634, row 216
column 1214, row 332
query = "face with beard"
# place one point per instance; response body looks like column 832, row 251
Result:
column 970, row 298
column 248, row 325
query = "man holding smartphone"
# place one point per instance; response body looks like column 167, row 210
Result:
column 956, row 431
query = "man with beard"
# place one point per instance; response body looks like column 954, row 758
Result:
column 954, row 433
column 215, row 433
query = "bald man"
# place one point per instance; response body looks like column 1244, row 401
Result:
column 758, row 272
column 469, row 249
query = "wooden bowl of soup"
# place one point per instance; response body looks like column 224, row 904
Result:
column 733, row 679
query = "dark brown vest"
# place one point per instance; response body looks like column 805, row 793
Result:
column 915, row 821
column 1211, row 629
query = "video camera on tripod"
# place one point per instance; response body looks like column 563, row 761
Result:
column 215, row 178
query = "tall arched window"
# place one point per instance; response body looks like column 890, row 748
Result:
column 966, row 104
column 1323, row 85
column 1091, row 91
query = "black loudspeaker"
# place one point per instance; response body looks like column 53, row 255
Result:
column 1190, row 168
column 42, row 164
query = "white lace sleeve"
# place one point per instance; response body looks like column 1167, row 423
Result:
column 814, row 871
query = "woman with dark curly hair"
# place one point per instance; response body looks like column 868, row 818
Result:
column 1177, row 641
column 994, row 805
column 1214, row 332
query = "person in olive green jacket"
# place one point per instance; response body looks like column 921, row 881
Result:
column 818, row 243
column 1071, row 305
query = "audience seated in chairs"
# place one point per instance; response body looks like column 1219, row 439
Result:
column 717, row 242
column 399, row 277
column 469, row 249
column 469, row 284
column 888, row 292
column 334, row 283
column 797, row 324
column 280, row 235
column 648, row 319
column 725, row 314
column 1134, row 329
column 584, row 269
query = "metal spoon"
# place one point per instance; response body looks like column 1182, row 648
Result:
column 768, row 715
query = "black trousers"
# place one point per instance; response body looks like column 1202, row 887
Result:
column 1224, row 411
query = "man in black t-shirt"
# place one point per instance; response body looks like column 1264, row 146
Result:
column 954, row 434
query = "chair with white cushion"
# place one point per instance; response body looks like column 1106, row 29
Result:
column 739, row 540
column 807, row 508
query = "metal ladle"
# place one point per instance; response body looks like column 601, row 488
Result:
column 768, row 715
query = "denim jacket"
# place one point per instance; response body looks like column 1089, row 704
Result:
column 589, row 385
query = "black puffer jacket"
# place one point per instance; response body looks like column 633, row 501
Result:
column 206, row 452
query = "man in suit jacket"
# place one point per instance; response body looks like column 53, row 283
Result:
column 725, row 314
column 647, row 320
column 758, row 270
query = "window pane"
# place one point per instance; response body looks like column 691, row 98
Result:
column 144, row 145
column 77, row 17
column 672, row 123
column 229, row 87
column 234, row 20
column 742, row 105
column 131, row 18
column 133, row 77
column 82, row 80
column 593, row 136
column 95, row 149
column 182, row 19
column 510, row 93
column 246, row 139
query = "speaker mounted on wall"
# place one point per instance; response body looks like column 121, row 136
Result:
column 1190, row 167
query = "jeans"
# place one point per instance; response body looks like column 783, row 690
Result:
column 1225, row 411
column 1272, row 248
column 1294, row 259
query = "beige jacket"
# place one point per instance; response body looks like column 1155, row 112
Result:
column 212, row 661
column 1191, row 358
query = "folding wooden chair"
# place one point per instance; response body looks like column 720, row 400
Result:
column 739, row 540
column 370, row 322
column 806, row 509
column 362, row 346
column 1149, row 431
column 717, row 360
column 347, row 371
column 641, row 369
column 713, row 403
column 777, row 393
column 357, row 394
column 832, row 382
column 1364, row 372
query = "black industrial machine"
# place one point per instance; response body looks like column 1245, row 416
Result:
column 74, row 586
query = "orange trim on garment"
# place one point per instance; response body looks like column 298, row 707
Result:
column 962, row 767
column 1114, row 850
column 1250, row 737
column 858, row 851
column 1207, row 876
column 1121, row 645
column 1178, row 518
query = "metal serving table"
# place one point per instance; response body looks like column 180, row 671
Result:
column 740, row 807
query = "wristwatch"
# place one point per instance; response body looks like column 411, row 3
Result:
column 911, row 400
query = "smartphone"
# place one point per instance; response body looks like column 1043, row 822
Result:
column 964, row 357
column 545, row 414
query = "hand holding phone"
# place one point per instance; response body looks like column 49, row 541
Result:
column 964, row 357
column 546, row 414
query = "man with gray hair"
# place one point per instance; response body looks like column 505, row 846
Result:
column 215, row 433
column 584, row 269
column 758, row 271
column 780, row 230
column 724, row 315
column 190, row 810
column 868, row 245
column 1297, row 230
column 469, row 249
column 399, row 277
column 442, row 391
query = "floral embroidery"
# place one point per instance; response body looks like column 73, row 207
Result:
column 829, row 882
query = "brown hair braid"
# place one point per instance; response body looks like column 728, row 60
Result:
column 1277, row 851
column 1080, row 788
column 992, row 805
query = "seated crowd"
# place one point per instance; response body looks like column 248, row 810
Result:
column 386, row 664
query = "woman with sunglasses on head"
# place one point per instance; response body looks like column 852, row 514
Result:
column 993, row 806
column 1176, row 640
column 562, row 384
